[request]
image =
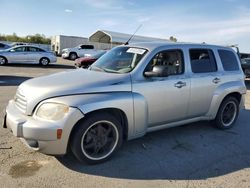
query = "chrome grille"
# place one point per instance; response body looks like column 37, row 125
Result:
column 20, row 101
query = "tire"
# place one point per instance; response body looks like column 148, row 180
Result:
column 44, row 61
column 85, row 66
column 3, row 60
column 72, row 56
column 227, row 113
column 96, row 138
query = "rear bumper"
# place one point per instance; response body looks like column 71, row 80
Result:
column 39, row 134
column 53, row 59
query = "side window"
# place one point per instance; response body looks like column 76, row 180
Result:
column 20, row 49
column 32, row 49
column 228, row 60
column 172, row 59
column 40, row 50
column 202, row 61
column 87, row 47
column 2, row 45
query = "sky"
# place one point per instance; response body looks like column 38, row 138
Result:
column 223, row 22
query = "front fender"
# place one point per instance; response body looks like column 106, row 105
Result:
column 91, row 102
column 221, row 92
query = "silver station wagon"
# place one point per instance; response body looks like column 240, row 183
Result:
column 27, row 54
column 131, row 90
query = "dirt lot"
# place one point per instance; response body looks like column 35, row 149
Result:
column 195, row 155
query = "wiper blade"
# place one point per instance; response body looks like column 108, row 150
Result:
column 103, row 69
column 96, row 68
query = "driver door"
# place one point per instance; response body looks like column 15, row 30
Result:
column 18, row 55
column 167, row 97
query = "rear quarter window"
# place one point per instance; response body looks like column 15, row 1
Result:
column 228, row 60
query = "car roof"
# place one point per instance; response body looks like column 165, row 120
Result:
column 27, row 45
column 153, row 45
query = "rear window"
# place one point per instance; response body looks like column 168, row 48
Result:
column 202, row 61
column 228, row 60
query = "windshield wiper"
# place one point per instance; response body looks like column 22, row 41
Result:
column 103, row 69
column 95, row 68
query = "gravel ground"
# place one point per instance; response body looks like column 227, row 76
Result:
column 194, row 155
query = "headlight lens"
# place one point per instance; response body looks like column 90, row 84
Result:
column 52, row 111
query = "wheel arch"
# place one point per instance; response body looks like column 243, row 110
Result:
column 216, row 103
column 4, row 58
column 236, row 89
column 117, row 113
column 73, row 52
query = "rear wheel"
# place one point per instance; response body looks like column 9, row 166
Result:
column 96, row 138
column 44, row 61
column 3, row 60
column 228, row 113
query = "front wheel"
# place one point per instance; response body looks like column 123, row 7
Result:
column 72, row 56
column 96, row 138
column 227, row 113
column 3, row 61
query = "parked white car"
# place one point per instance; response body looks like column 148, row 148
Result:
column 79, row 51
column 27, row 54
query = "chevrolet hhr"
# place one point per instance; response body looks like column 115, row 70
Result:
column 131, row 90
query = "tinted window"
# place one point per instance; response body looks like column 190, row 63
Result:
column 2, row 45
column 229, row 60
column 172, row 59
column 32, row 49
column 20, row 49
column 202, row 61
column 40, row 50
column 87, row 47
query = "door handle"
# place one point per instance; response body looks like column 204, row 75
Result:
column 216, row 80
column 180, row 84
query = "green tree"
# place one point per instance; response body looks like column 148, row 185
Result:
column 37, row 38
column 172, row 38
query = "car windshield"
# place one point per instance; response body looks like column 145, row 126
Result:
column 121, row 59
column 247, row 60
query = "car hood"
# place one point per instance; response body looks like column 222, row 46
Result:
column 70, row 49
column 80, row 81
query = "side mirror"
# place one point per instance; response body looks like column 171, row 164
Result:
column 158, row 71
column 12, row 50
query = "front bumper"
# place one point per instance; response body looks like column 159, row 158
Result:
column 65, row 55
column 41, row 134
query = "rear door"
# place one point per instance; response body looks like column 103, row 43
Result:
column 33, row 55
column 86, row 50
column 205, row 78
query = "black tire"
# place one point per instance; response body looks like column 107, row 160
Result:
column 96, row 138
column 44, row 61
column 73, row 56
column 227, row 113
column 85, row 66
column 3, row 60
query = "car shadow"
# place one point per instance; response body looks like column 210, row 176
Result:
column 7, row 80
column 53, row 66
column 190, row 152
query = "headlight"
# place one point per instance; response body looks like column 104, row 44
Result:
column 52, row 111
